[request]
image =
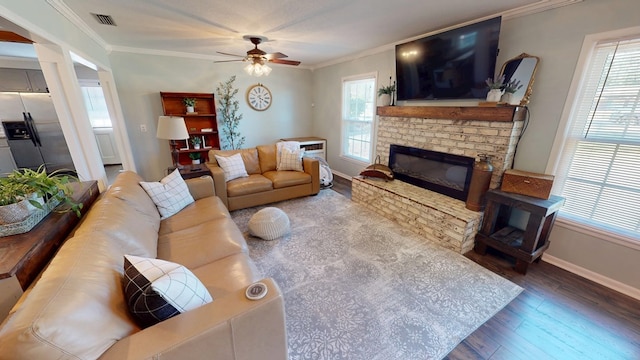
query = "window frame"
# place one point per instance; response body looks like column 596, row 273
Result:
column 343, row 122
column 564, row 128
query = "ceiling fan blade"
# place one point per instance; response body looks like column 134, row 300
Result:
column 277, row 55
column 223, row 53
column 285, row 62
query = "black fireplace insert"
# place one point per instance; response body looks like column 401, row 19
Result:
column 447, row 174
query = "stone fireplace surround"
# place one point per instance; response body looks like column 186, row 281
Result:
column 467, row 131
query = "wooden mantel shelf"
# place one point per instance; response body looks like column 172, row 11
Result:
column 481, row 113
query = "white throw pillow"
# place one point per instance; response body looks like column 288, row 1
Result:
column 156, row 290
column 291, row 160
column 289, row 145
column 233, row 166
column 170, row 195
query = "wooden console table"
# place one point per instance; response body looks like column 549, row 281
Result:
column 24, row 256
column 524, row 245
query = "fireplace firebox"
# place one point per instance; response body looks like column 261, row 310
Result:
column 447, row 174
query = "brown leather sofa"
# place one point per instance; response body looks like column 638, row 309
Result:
column 264, row 184
column 77, row 309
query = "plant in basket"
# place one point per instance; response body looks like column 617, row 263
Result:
column 26, row 190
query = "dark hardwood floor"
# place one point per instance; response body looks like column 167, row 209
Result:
column 559, row 315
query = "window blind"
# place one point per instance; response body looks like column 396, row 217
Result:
column 599, row 174
column 358, row 111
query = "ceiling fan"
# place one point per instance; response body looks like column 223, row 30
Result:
column 258, row 59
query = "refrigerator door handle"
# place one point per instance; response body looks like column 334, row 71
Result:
column 33, row 129
column 28, row 125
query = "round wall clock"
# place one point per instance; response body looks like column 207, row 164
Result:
column 259, row 97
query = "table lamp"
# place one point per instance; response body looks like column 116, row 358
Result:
column 172, row 128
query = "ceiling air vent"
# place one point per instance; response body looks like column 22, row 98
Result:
column 104, row 19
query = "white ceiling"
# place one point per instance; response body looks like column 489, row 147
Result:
column 314, row 32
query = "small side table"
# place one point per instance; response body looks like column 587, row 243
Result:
column 526, row 246
column 192, row 171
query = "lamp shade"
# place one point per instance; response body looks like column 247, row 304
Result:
column 172, row 128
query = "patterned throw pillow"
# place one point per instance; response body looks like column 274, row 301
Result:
column 170, row 195
column 290, row 160
column 156, row 290
column 233, row 166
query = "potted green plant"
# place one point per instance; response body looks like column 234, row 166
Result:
column 190, row 103
column 195, row 157
column 24, row 190
column 495, row 86
column 196, row 141
column 385, row 94
column 511, row 88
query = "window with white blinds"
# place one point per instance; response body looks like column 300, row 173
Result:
column 358, row 114
column 599, row 171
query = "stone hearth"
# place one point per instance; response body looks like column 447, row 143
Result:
column 439, row 218
column 467, row 131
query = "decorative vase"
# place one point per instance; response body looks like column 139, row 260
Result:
column 190, row 109
column 480, row 181
column 196, row 146
column 507, row 98
column 384, row 100
column 494, row 95
column 195, row 161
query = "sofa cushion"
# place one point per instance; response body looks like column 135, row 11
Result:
column 249, row 157
column 126, row 187
column 157, row 290
column 249, row 185
column 283, row 179
column 203, row 243
column 239, row 272
column 136, row 235
column 290, row 160
column 267, row 156
column 170, row 195
column 233, row 166
column 202, row 210
column 77, row 309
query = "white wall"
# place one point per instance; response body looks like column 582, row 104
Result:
column 141, row 78
column 555, row 36
column 327, row 90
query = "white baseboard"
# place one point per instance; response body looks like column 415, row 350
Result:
column 593, row 276
column 338, row 173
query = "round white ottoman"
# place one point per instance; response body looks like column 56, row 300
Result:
column 269, row 223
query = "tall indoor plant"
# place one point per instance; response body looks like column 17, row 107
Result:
column 229, row 117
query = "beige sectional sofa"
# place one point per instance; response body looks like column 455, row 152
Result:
column 77, row 309
column 264, row 184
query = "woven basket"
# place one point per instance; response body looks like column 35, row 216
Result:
column 30, row 221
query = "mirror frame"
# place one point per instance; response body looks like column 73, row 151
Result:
column 529, row 88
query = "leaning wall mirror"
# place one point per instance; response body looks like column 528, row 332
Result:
column 522, row 68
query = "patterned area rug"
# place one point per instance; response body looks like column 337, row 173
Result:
column 358, row 286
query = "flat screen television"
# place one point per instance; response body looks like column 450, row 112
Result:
column 451, row 65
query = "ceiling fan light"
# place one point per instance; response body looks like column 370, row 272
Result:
column 249, row 69
column 266, row 70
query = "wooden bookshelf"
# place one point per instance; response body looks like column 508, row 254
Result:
column 203, row 117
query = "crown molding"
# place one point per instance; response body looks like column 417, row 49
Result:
column 70, row 15
column 65, row 11
column 537, row 7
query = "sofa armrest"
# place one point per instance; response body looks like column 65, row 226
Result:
column 201, row 187
column 232, row 327
column 219, row 182
column 312, row 167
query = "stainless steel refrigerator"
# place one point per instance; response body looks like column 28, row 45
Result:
column 33, row 131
